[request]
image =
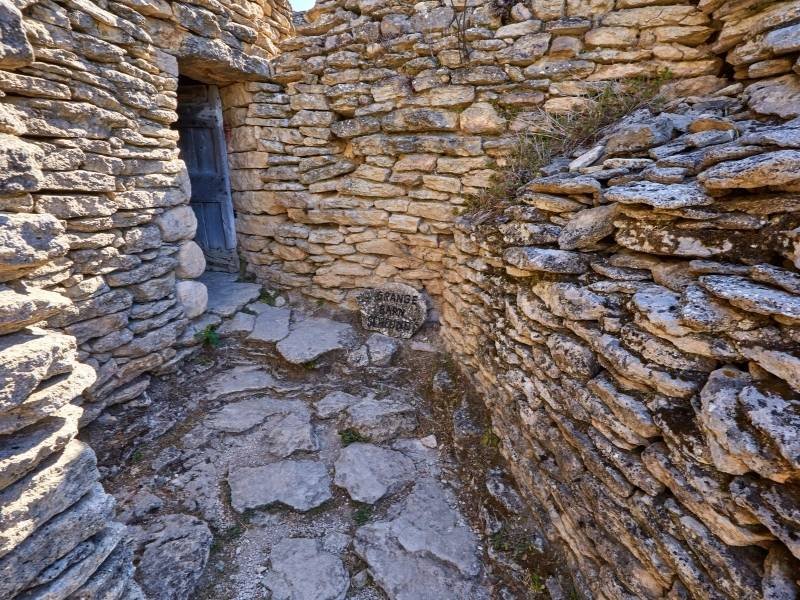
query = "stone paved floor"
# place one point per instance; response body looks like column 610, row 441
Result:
column 304, row 458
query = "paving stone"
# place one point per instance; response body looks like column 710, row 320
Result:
column 333, row 403
column 369, row 472
column 290, row 432
column 313, row 337
column 245, row 379
column 424, row 550
column 173, row 550
column 237, row 417
column 302, row 570
column 298, row 484
column 381, row 349
column 240, row 323
column 226, row 295
column 383, row 419
column 271, row 325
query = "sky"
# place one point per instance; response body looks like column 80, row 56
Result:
column 301, row 4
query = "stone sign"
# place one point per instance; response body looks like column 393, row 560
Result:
column 395, row 309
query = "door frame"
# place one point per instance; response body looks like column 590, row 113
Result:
column 226, row 258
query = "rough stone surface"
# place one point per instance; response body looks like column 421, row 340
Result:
column 381, row 419
column 369, row 472
column 396, row 310
column 357, row 133
column 174, row 550
column 302, row 570
column 423, row 550
column 226, row 294
column 312, row 337
column 298, row 484
column 193, row 297
column 271, row 325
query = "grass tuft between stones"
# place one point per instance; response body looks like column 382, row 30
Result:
column 209, row 337
column 550, row 135
column 351, row 436
column 363, row 514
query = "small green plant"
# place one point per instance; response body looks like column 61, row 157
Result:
column 516, row 542
column 208, row 337
column 137, row 456
column 573, row 594
column 363, row 514
column 490, row 438
column 535, row 583
column 268, row 297
column 223, row 537
column 351, row 436
column 550, row 135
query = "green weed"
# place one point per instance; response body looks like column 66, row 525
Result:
column 490, row 439
column 553, row 135
column 363, row 514
column 268, row 297
column 351, row 436
column 208, row 337
column 535, row 583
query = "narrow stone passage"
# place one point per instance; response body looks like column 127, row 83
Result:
column 297, row 460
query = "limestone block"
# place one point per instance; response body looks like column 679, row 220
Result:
column 56, row 484
column 55, row 539
column 420, row 119
column 525, row 50
column 20, row 165
column 30, row 357
column 18, row 310
column 482, row 118
column 191, row 261
column 15, row 50
column 27, row 241
column 193, row 296
column 772, row 168
column 179, row 223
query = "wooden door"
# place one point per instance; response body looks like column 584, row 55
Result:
column 202, row 146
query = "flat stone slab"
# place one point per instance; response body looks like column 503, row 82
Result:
column 175, row 549
column 226, row 295
column 238, row 417
column 271, row 325
column 313, row 337
column 299, row 484
column 303, row 570
column 381, row 349
column 383, row 419
column 240, row 323
column 334, row 403
column 369, row 472
column 289, row 433
column 244, row 379
column 425, row 550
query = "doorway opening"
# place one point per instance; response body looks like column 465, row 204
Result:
column 203, row 149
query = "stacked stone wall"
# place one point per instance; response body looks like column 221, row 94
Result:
column 391, row 115
column 96, row 257
column 630, row 318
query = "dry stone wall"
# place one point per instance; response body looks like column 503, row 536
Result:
column 95, row 252
column 392, row 114
column 631, row 316
column 634, row 327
